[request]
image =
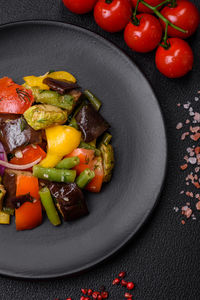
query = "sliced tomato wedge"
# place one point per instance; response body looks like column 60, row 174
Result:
column 95, row 185
column 88, row 160
column 86, row 157
column 14, row 98
column 29, row 154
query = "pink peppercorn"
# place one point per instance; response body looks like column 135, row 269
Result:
column 104, row 295
column 84, row 291
column 123, row 282
column 130, row 285
column 116, row 281
column 122, row 274
column 127, row 295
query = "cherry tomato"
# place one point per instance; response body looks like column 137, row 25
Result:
column 143, row 8
column 143, row 37
column 112, row 15
column 185, row 15
column 79, row 6
column 177, row 60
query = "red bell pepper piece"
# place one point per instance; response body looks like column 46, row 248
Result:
column 28, row 216
column 14, row 98
column 27, row 184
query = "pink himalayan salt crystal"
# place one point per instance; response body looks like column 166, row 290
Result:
column 194, row 129
column 195, row 136
column 197, row 196
column 197, row 116
column 184, row 135
column 187, row 105
column 178, row 104
column 189, row 194
column 187, row 121
column 192, row 160
column 198, row 205
column 196, row 169
column 179, row 125
column 186, row 212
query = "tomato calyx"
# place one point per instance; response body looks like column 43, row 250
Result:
column 108, row 1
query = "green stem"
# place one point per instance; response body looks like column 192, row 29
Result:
column 136, row 8
column 158, row 14
column 165, row 44
column 135, row 20
column 109, row 1
column 163, row 3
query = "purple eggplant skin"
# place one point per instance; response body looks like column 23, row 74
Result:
column 9, row 182
column 18, row 201
column 62, row 87
column 69, row 198
column 15, row 133
column 91, row 123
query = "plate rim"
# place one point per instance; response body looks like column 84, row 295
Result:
column 148, row 215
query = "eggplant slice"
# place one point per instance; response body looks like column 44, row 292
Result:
column 15, row 132
column 62, row 87
column 69, row 199
column 91, row 123
column 9, row 182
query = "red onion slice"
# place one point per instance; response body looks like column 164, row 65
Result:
column 3, row 157
column 19, row 167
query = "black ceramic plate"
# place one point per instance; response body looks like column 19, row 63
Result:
column 131, row 108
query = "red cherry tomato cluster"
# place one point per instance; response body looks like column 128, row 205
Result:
column 144, row 23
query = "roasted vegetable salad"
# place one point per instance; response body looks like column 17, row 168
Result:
column 54, row 144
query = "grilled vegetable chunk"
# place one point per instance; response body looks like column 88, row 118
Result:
column 66, row 102
column 2, row 194
column 16, row 133
column 108, row 161
column 60, row 86
column 10, row 184
column 43, row 116
column 69, row 198
column 91, row 123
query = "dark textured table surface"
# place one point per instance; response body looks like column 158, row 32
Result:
column 163, row 259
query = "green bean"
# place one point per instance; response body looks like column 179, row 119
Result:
column 96, row 103
column 106, row 138
column 53, row 174
column 49, row 206
column 73, row 122
column 84, row 145
column 84, row 178
column 68, row 163
column 9, row 211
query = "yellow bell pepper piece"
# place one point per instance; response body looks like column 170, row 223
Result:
column 34, row 81
column 4, row 218
column 61, row 140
